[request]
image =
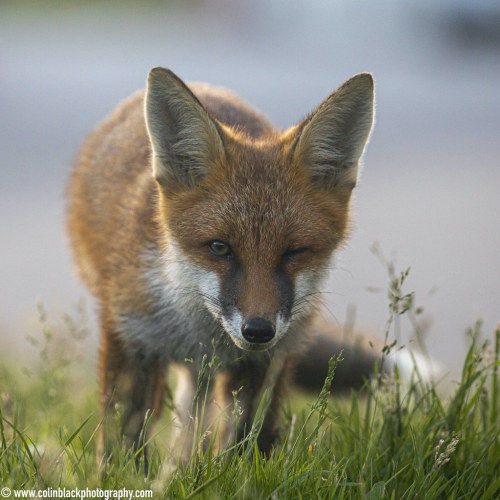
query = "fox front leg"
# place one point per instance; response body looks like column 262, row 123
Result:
column 238, row 394
column 131, row 393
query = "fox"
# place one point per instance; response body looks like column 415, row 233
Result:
column 203, row 230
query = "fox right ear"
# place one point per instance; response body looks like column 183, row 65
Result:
column 332, row 139
column 184, row 139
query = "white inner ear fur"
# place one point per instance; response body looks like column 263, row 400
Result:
column 333, row 140
column 184, row 139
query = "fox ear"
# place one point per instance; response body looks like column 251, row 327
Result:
column 332, row 139
column 184, row 138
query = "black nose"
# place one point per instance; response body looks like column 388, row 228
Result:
column 258, row 330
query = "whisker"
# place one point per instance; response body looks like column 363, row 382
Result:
column 213, row 301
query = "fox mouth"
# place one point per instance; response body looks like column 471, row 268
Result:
column 255, row 335
column 252, row 347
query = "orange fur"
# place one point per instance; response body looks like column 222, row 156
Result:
column 150, row 193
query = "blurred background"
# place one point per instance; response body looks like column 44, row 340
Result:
column 430, row 190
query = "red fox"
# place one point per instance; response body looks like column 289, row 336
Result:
column 199, row 227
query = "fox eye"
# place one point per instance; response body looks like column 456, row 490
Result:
column 293, row 252
column 219, row 249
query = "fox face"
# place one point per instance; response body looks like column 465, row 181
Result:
column 253, row 221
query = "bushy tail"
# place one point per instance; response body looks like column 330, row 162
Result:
column 360, row 357
column 311, row 366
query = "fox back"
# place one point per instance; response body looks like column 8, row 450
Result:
column 197, row 225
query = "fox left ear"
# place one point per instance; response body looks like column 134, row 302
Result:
column 184, row 138
column 332, row 139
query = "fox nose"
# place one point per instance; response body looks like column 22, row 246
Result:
column 258, row 330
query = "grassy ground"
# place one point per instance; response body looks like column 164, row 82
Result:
column 392, row 440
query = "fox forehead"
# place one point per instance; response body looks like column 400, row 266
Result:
column 259, row 203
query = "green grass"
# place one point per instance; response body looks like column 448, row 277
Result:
column 392, row 440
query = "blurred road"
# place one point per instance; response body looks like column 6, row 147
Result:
column 430, row 188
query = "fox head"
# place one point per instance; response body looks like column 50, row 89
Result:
column 255, row 220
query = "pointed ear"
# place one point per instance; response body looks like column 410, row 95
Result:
column 332, row 139
column 184, row 139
